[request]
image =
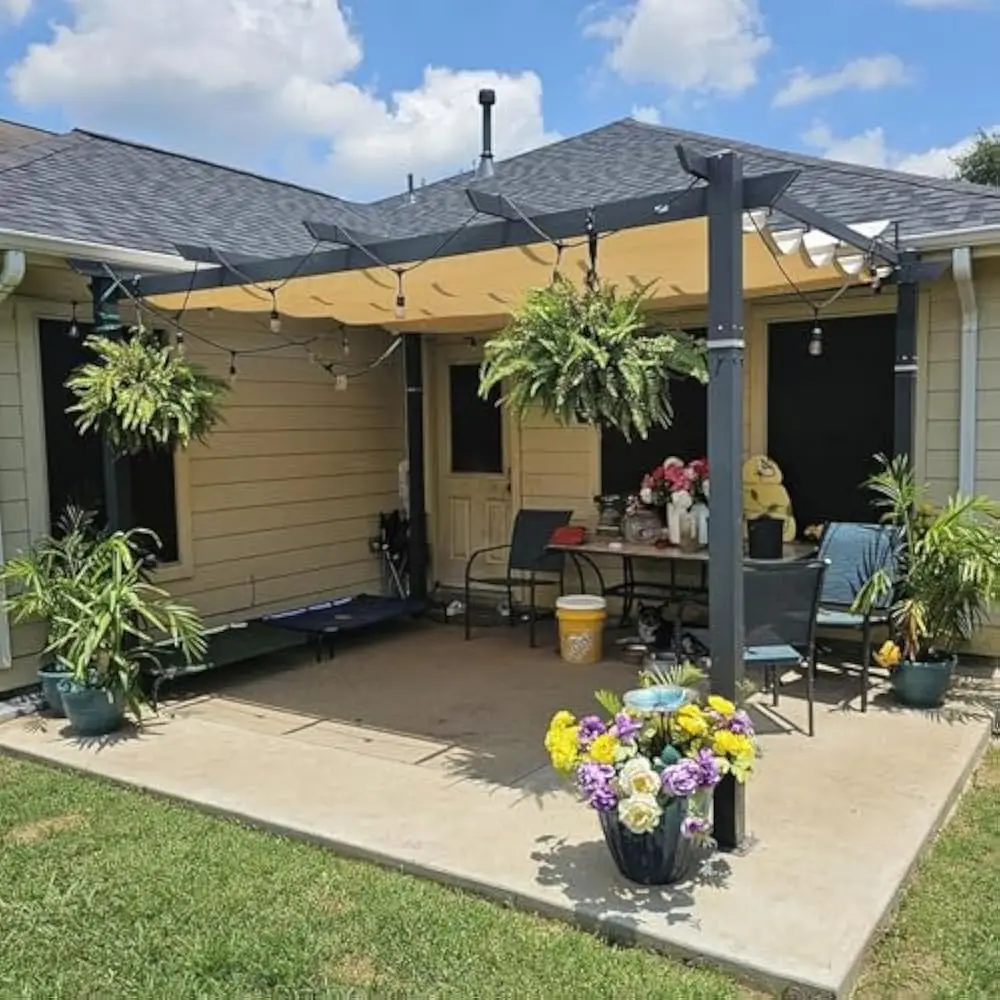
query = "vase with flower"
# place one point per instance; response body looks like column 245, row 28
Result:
column 679, row 492
column 649, row 773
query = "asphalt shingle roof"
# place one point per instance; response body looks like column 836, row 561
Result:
column 103, row 190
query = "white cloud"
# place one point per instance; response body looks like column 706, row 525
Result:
column 871, row 149
column 647, row 113
column 15, row 10
column 265, row 81
column 866, row 73
column 708, row 45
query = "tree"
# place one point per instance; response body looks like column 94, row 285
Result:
column 981, row 164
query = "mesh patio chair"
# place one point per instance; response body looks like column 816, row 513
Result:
column 780, row 605
column 528, row 557
column 854, row 552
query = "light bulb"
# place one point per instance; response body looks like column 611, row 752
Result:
column 232, row 369
column 74, row 330
column 275, row 322
column 400, row 307
column 345, row 345
column 816, row 341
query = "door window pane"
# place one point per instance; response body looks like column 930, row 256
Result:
column 476, row 424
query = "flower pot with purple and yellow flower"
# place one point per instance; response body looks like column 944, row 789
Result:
column 650, row 774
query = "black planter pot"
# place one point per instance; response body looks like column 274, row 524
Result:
column 764, row 537
column 657, row 858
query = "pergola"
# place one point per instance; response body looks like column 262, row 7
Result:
column 471, row 277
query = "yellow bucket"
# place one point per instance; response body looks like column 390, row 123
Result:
column 581, row 627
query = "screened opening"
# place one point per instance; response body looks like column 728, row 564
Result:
column 624, row 463
column 828, row 416
column 476, row 424
column 74, row 463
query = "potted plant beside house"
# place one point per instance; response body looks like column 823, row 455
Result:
column 649, row 770
column 104, row 616
column 944, row 578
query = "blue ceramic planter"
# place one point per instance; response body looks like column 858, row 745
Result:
column 922, row 684
column 657, row 858
column 92, row 711
column 49, row 678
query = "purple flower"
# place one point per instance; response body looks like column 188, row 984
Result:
column 694, row 826
column 740, row 724
column 590, row 728
column 594, row 781
column 682, row 779
column 708, row 769
column 626, row 727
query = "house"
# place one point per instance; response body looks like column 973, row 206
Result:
column 278, row 507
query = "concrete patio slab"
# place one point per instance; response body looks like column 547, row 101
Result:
column 836, row 821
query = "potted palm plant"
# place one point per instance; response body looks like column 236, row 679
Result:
column 104, row 616
column 944, row 577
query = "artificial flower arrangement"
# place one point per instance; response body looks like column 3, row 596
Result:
column 675, row 483
column 633, row 767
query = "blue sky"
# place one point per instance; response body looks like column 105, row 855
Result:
column 351, row 97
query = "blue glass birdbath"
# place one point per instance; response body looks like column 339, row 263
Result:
column 657, row 698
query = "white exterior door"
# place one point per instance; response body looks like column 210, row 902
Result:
column 473, row 497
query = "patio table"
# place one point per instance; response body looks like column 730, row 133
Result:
column 632, row 589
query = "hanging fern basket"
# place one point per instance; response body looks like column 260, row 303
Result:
column 590, row 356
column 143, row 395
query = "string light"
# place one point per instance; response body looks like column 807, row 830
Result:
column 816, row 337
column 179, row 341
column 233, row 374
column 345, row 344
column 74, row 327
column 275, row 321
column 400, row 295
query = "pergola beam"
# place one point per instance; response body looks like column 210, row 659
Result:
column 628, row 213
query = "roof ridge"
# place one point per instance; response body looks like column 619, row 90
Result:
column 104, row 137
column 838, row 166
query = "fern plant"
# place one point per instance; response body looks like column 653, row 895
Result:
column 142, row 395
column 590, row 357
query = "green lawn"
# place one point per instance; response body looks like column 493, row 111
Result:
column 108, row 894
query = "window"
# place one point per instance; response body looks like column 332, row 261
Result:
column 624, row 463
column 476, row 424
column 829, row 416
column 75, row 463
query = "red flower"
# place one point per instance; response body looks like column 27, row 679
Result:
column 658, row 474
column 699, row 468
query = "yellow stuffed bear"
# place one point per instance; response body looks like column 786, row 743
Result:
column 764, row 493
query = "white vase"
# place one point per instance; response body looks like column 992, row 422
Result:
column 700, row 511
column 673, row 524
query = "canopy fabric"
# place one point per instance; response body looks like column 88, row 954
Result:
column 477, row 291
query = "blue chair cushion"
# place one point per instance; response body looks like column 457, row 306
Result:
column 772, row 656
column 828, row 618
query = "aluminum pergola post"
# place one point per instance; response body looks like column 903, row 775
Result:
column 725, row 456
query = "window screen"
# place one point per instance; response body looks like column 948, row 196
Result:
column 74, row 463
column 476, row 424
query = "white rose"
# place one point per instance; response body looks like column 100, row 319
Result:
column 682, row 499
column 669, row 463
column 637, row 777
column 646, row 495
column 704, row 488
column 639, row 813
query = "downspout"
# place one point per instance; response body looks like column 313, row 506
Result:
column 11, row 275
column 961, row 265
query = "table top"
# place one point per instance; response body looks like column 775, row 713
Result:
column 598, row 546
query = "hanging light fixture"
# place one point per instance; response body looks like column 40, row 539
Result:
column 816, row 338
column 275, row 321
column 232, row 368
column 345, row 344
column 400, row 295
column 74, row 327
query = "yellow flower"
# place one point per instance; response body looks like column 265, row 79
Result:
column 561, row 720
column 691, row 721
column 727, row 744
column 603, row 749
column 563, row 747
column 889, row 655
column 724, row 707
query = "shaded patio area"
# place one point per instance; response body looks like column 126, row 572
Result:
column 422, row 751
